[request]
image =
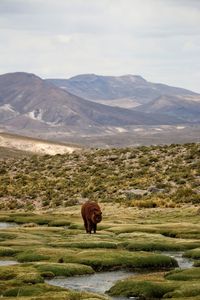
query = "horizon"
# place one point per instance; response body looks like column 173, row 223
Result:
column 156, row 39
column 99, row 75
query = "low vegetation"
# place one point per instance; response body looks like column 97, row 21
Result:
column 149, row 197
column 156, row 176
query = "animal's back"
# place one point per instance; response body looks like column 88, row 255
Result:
column 88, row 208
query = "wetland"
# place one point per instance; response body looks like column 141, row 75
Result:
column 146, row 247
column 125, row 258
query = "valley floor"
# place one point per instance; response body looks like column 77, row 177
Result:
column 53, row 243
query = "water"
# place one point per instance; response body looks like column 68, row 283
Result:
column 8, row 262
column 183, row 262
column 96, row 283
column 2, row 226
column 7, row 225
column 103, row 281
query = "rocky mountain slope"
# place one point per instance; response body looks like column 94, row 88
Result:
column 31, row 106
column 124, row 90
column 187, row 107
column 27, row 101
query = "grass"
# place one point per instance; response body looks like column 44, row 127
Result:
column 126, row 239
column 63, row 269
column 6, row 251
column 86, row 245
column 145, row 289
column 43, row 195
column 193, row 253
column 178, row 283
column 26, row 282
column 184, row 275
column 121, row 259
column 30, row 256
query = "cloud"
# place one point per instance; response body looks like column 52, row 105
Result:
column 157, row 39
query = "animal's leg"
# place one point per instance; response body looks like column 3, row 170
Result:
column 89, row 227
column 94, row 227
column 85, row 224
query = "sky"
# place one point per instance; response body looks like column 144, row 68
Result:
column 156, row 39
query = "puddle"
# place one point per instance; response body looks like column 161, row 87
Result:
column 96, row 283
column 8, row 262
column 183, row 262
column 7, row 225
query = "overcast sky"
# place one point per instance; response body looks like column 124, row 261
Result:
column 157, row 39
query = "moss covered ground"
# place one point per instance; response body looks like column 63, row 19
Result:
column 49, row 244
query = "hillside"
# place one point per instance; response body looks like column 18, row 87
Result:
column 96, row 87
column 31, row 106
column 16, row 145
column 28, row 102
column 153, row 176
column 130, row 91
column 184, row 107
column 135, row 93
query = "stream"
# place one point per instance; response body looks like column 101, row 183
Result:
column 7, row 225
column 98, row 282
column 103, row 281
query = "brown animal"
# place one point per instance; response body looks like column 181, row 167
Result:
column 91, row 214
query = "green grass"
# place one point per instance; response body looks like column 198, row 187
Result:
column 145, row 289
column 184, row 275
column 176, row 284
column 121, row 259
column 86, row 245
column 194, row 253
column 6, row 251
column 30, row 256
column 26, row 282
column 63, row 269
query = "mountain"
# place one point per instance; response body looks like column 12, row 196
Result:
column 126, row 91
column 31, row 106
column 187, row 108
column 29, row 103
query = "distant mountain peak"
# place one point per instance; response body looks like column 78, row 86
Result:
column 20, row 77
column 91, row 77
column 133, row 78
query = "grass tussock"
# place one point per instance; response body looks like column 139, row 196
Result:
column 64, row 269
column 193, row 253
column 176, row 284
column 108, row 260
column 6, row 251
column 26, row 282
column 86, row 245
column 184, row 275
column 30, row 256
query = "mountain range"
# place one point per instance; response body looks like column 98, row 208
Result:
column 90, row 104
column 131, row 91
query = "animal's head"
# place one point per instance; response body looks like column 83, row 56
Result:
column 97, row 216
